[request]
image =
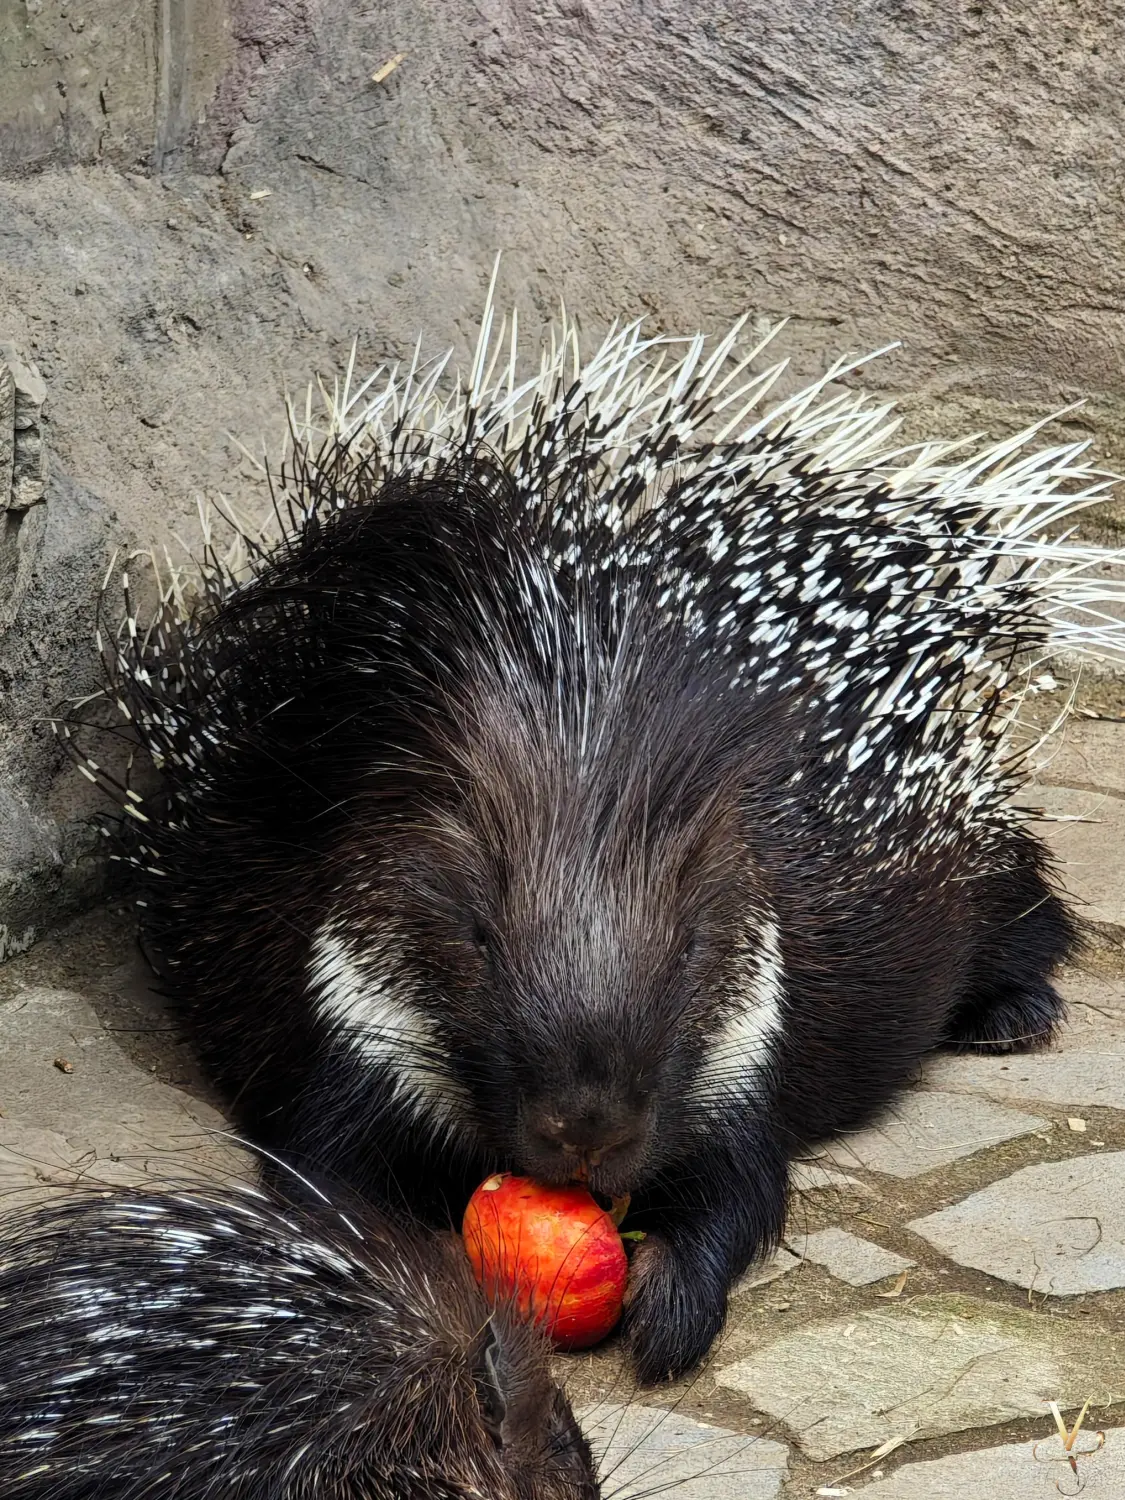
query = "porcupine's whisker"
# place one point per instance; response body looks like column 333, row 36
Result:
column 619, row 1410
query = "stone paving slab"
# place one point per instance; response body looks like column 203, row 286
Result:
column 927, row 1129
column 810, row 1177
column 1056, row 1228
column 1092, row 852
column 1086, row 1067
column 761, row 1274
column 76, row 1108
column 848, row 1257
column 645, row 1450
column 935, row 1365
column 1016, row 1471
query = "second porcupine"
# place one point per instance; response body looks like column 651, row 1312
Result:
column 206, row 1340
column 600, row 775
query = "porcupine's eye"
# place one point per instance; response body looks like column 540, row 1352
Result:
column 470, row 945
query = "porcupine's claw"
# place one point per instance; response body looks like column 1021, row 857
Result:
column 1023, row 1021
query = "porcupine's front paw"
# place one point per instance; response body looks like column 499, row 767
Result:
column 675, row 1307
column 1019, row 1021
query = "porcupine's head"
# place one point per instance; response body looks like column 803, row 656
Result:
column 558, row 934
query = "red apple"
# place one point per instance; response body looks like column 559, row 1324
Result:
column 553, row 1251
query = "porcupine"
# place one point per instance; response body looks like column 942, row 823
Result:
column 199, row 1341
column 604, row 774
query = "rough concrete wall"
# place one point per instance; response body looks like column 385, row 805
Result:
column 122, row 81
column 945, row 173
column 49, row 864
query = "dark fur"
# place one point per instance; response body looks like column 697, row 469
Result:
column 397, row 703
column 195, row 1343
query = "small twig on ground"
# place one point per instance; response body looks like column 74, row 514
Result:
column 896, row 1290
column 383, row 73
column 1068, row 1440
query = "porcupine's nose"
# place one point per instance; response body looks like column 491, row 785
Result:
column 590, row 1136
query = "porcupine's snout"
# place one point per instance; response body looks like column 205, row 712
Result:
column 597, row 1135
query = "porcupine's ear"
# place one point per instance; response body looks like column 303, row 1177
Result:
column 488, row 1375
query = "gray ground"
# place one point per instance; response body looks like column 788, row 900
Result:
column 947, row 1273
